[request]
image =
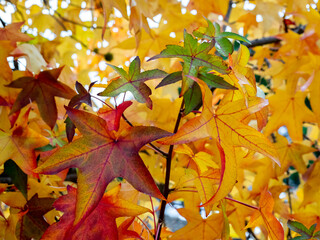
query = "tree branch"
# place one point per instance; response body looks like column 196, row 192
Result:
column 272, row 39
column 167, row 180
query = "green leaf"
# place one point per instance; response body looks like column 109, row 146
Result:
column 213, row 80
column 170, row 79
column 208, row 32
column 300, row 238
column 18, row 177
column 299, row 228
column 45, row 148
column 312, row 228
column 224, row 46
column 194, row 55
column 234, row 36
column 192, row 99
column 317, row 235
column 133, row 81
column 217, row 28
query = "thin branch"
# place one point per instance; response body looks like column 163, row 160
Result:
column 252, row 234
column 290, row 203
column 167, row 180
column 227, row 16
column 74, row 22
column 65, row 29
column 273, row 39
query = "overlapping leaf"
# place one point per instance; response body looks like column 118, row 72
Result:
column 204, row 229
column 18, row 143
column 32, row 224
column 12, row 33
column 101, row 155
column 42, row 88
column 133, row 81
column 100, row 224
column 194, row 55
column 225, row 125
column 265, row 216
column 83, row 96
column 292, row 107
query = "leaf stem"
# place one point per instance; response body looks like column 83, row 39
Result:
column 167, row 179
column 242, row 203
column 154, row 216
column 102, row 101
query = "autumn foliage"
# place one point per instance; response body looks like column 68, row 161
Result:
column 113, row 111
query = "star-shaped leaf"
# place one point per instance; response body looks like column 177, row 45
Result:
column 204, row 229
column 42, row 88
column 290, row 154
column 32, row 224
column 133, row 81
column 102, row 155
column 225, row 125
column 304, row 232
column 12, row 33
column 18, row 143
column 264, row 216
column 292, row 107
column 100, row 224
column 83, row 96
column 194, row 55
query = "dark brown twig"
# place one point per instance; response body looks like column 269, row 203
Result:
column 273, row 39
column 167, row 180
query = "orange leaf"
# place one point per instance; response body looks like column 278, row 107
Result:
column 265, row 215
column 11, row 32
column 99, row 224
column 19, row 142
column 199, row 228
column 225, row 125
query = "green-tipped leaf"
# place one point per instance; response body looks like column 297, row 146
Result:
column 215, row 81
column 234, row 36
column 192, row 99
column 299, row 228
column 224, row 46
column 170, row 79
column 133, row 81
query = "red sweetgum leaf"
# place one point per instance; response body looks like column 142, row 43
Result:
column 12, row 33
column 42, row 88
column 123, row 231
column 102, row 155
column 100, row 223
column 113, row 116
column 32, row 225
